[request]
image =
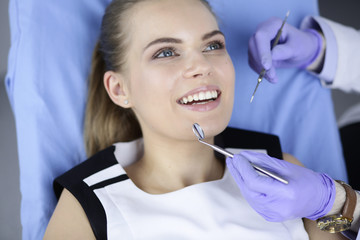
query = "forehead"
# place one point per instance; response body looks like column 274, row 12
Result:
column 170, row 18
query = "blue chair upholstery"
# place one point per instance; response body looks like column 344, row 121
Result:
column 49, row 61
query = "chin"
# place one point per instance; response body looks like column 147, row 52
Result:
column 213, row 128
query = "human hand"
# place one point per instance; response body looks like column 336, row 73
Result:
column 308, row 194
column 296, row 48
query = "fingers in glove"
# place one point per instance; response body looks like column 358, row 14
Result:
column 249, row 176
column 256, row 64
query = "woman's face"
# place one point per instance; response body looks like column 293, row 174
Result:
column 178, row 70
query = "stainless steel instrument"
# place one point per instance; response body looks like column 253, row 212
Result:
column 200, row 135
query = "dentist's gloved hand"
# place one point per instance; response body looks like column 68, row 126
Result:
column 309, row 194
column 296, row 48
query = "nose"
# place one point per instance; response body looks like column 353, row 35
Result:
column 197, row 66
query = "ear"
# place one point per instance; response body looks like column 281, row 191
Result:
column 116, row 88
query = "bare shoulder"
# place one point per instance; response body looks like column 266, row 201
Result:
column 290, row 158
column 69, row 220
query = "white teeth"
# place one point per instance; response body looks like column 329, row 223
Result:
column 190, row 98
column 214, row 94
column 201, row 96
column 208, row 95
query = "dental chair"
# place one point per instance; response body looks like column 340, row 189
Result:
column 48, row 65
column 349, row 125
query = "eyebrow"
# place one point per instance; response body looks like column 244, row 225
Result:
column 211, row 34
column 176, row 40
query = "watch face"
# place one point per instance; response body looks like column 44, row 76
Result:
column 334, row 224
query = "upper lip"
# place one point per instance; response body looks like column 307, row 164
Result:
column 200, row 93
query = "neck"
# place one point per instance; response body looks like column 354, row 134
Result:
column 169, row 165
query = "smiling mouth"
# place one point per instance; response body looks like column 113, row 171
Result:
column 200, row 97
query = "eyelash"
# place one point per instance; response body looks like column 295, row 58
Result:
column 162, row 50
column 220, row 44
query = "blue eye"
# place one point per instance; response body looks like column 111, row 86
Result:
column 214, row 46
column 163, row 53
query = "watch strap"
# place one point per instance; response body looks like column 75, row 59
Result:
column 350, row 202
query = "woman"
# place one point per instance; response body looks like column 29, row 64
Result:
column 165, row 66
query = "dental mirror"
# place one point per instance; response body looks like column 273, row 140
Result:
column 199, row 133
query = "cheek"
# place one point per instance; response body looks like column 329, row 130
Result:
column 230, row 68
column 228, row 81
column 227, row 73
column 154, row 87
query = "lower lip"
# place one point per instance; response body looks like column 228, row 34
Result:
column 203, row 107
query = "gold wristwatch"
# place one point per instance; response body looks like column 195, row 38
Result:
column 340, row 222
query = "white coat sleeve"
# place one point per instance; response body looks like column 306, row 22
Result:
column 347, row 42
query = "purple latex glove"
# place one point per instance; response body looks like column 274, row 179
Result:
column 309, row 194
column 296, row 48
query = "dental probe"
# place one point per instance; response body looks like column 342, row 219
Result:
column 263, row 71
column 199, row 133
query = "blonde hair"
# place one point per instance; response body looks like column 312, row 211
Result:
column 106, row 122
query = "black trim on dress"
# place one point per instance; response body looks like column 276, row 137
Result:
column 73, row 179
